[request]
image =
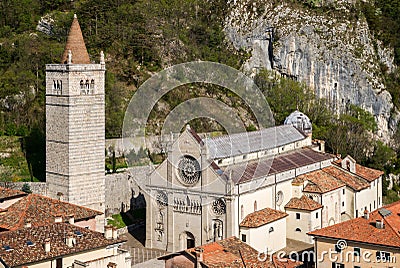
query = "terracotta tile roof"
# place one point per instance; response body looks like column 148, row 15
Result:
column 350, row 180
column 365, row 231
column 319, row 182
column 232, row 252
column 6, row 193
column 76, row 44
column 303, row 203
column 243, row 172
column 22, row 253
column 262, row 217
column 42, row 210
column 369, row 174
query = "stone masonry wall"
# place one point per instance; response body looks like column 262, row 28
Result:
column 122, row 190
column 36, row 187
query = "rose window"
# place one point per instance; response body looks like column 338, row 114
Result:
column 162, row 199
column 219, row 206
column 189, row 170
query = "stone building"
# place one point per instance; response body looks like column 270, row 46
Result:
column 235, row 185
column 75, row 126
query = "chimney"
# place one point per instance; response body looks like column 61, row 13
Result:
column 114, row 233
column 108, row 233
column 70, row 240
column 58, row 218
column 366, row 214
column 28, row 223
column 71, row 219
column 60, row 196
column 199, row 256
column 47, row 245
column 379, row 224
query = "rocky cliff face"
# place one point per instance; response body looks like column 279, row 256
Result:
column 334, row 53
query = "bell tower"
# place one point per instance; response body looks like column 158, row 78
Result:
column 75, row 125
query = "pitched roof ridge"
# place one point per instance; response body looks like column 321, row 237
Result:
column 22, row 211
column 391, row 227
column 65, row 202
column 308, row 200
column 337, row 166
column 75, row 44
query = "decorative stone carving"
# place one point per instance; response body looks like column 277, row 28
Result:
column 160, row 226
column 187, row 206
column 189, row 170
column 279, row 198
column 162, row 199
column 219, row 206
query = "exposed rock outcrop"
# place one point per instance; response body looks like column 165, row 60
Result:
column 335, row 54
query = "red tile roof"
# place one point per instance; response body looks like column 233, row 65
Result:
column 76, row 44
column 232, row 252
column 319, row 182
column 6, row 193
column 369, row 174
column 303, row 203
column 55, row 233
column 365, row 231
column 262, row 217
column 41, row 210
column 350, row 180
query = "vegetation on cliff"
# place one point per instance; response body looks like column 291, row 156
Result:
column 140, row 38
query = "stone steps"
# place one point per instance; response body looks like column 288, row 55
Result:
column 139, row 255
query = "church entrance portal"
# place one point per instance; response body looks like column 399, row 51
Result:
column 187, row 240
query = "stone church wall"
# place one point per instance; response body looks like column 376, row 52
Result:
column 122, row 192
column 36, row 187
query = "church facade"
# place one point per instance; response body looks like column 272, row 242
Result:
column 209, row 189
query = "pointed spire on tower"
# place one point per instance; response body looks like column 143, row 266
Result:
column 76, row 45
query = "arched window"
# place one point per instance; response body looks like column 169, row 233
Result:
column 218, row 230
column 298, row 230
column 271, row 229
column 279, row 198
column 241, row 212
column 82, row 85
column 255, row 205
column 92, row 84
column 54, row 85
column 87, row 84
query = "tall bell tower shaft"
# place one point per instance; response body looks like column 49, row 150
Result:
column 75, row 125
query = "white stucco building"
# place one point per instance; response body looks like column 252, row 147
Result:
column 263, row 230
